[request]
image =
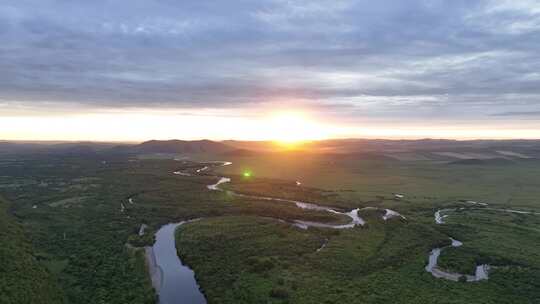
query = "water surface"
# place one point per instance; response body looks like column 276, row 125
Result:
column 177, row 284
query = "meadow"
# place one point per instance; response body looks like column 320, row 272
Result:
column 72, row 219
column 366, row 177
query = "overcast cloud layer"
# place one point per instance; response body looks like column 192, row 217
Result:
column 389, row 59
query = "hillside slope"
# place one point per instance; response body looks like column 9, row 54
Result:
column 23, row 279
column 178, row 146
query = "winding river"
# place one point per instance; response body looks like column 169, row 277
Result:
column 356, row 220
column 175, row 282
column 482, row 271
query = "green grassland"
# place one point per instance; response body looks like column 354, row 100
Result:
column 68, row 213
column 516, row 184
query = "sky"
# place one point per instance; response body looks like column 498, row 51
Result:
column 269, row 69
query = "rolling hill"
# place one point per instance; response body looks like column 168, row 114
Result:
column 180, row 146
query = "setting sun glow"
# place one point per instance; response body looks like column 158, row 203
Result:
column 290, row 128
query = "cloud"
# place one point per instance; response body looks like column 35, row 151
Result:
column 389, row 59
column 521, row 114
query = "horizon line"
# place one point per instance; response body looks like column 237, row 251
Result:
column 52, row 141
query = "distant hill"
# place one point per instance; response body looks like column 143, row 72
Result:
column 242, row 152
column 179, row 146
column 482, row 162
column 15, row 147
column 86, row 149
column 407, row 150
column 252, row 145
column 373, row 156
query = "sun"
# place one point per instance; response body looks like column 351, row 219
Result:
column 292, row 128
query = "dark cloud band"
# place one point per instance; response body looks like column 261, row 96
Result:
column 393, row 58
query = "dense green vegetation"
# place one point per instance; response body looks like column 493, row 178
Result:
column 271, row 262
column 239, row 241
column 70, row 209
column 70, row 223
column 23, row 278
column 507, row 241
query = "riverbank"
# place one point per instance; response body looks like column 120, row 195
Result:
column 155, row 272
column 173, row 281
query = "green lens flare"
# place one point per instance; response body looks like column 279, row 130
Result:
column 247, row 174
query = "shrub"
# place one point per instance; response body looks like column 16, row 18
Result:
column 279, row 293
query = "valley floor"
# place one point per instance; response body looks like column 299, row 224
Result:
column 81, row 219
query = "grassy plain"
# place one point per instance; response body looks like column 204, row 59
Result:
column 70, row 210
column 366, row 177
column 506, row 240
